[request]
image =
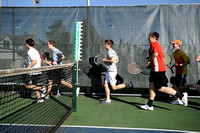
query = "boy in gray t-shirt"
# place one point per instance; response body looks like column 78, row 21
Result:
column 111, row 60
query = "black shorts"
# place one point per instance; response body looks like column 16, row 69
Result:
column 179, row 80
column 56, row 75
column 159, row 79
column 32, row 79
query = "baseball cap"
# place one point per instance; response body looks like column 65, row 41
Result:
column 177, row 42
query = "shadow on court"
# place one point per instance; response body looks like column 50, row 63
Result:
column 98, row 98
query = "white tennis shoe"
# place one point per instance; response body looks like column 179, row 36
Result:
column 146, row 107
column 106, row 102
column 40, row 100
column 185, row 99
column 177, row 101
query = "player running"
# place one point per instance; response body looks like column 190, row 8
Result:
column 56, row 75
column 34, row 62
column 111, row 60
column 158, row 79
column 181, row 62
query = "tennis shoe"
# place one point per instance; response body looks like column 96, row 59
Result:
column 40, row 100
column 44, row 89
column 47, row 97
column 130, row 85
column 177, row 101
column 43, row 95
column 185, row 99
column 106, row 102
column 146, row 107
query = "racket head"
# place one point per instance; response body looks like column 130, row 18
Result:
column 42, row 56
column 167, row 59
column 135, row 68
column 98, row 60
column 86, row 70
column 18, row 64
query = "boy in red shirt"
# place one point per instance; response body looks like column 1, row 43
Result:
column 158, row 79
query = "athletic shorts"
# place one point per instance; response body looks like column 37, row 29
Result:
column 179, row 80
column 56, row 75
column 159, row 79
column 111, row 78
column 32, row 79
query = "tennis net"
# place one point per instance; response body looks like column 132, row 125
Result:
column 19, row 110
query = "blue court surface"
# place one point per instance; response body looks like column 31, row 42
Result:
column 97, row 129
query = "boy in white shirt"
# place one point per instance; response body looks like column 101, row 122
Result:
column 34, row 62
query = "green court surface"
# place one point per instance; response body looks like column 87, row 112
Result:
column 125, row 112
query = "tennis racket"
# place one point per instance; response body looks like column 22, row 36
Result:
column 168, row 60
column 18, row 64
column 98, row 60
column 135, row 68
column 43, row 58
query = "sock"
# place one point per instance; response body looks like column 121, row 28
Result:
column 150, row 103
column 179, row 95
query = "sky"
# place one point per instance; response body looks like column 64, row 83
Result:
column 64, row 3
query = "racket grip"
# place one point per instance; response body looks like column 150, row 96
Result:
column 172, row 70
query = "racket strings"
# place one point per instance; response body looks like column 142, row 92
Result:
column 17, row 64
column 134, row 68
column 167, row 59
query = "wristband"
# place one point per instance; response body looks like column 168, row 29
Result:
column 177, row 64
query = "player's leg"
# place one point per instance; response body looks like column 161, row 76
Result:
column 63, row 77
column 171, row 91
column 152, row 94
column 50, row 85
column 178, row 84
column 41, row 93
column 107, row 90
column 63, row 82
column 113, row 82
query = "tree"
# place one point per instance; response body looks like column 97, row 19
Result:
column 58, row 33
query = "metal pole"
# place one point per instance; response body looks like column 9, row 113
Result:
column 13, row 34
column 88, row 3
column 34, row 22
column 75, row 86
column 0, row 16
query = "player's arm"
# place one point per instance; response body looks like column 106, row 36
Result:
column 185, row 58
column 61, row 58
column 32, row 63
column 60, row 54
column 154, row 55
column 197, row 58
column 117, row 61
column 111, row 60
column 183, row 64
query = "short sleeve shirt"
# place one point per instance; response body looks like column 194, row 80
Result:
column 33, row 54
column 111, row 67
column 57, row 55
column 157, row 64
column 180, row 57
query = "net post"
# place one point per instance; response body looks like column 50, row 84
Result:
column 75, row 86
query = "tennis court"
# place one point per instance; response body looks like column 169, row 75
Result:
column 124, row 115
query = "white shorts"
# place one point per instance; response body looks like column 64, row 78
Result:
column 111, row 78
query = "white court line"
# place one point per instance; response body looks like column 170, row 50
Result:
column 124, row 128
column 33, row 125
